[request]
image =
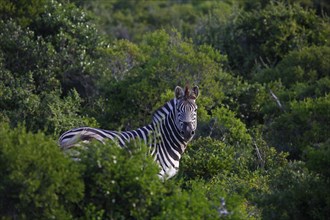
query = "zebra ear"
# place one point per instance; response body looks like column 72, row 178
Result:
column 179, row 92
column 195, row 92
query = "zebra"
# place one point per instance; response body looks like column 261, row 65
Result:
column 172, row 127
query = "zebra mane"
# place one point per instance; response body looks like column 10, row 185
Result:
column 160, row 114
column 186, row 92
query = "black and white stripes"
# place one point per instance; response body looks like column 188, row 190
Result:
column 172, row 127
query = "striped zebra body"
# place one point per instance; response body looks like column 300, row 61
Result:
column 172, row 127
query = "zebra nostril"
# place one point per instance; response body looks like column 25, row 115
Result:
column 192, row 132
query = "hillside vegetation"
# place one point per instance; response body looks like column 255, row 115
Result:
column 262, row 150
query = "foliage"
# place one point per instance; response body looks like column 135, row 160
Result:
column 317, row 159
column 77, row 45
column 222, row 158
column 30, row 87
column 262, row 146
column 24, row 11
column 162, row 61
column 306, row 64
column 37, row 180
column 296, row 193
column 302, row 74
column 263, row 37
column 306, row 121
column 123, row 184
column 130, row 20
column 230, row 173
column 119, row 183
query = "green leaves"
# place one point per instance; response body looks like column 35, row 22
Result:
column 296, row 193
column 161, row 62
column 31, row 79
column 305, row 120
column 263, row 73
column 122, row 183
column 37, row 180
column 260, row 38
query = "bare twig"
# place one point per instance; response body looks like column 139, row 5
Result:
column 278, row 102
column 262, row 162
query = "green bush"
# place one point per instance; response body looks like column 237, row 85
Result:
column 303, row 73
column 318, row 159
column 221, row 158
column 225, row 171
column 122, row 183
column 262, row 69
column 132, row 19
column 301, row 127
column 37, row 180
column 260, row 38
column 161, row 62
column 77, row 44
column 295, row 193
column 306, row 65
column 32, row 82
column 229, row 129
column 23, row 11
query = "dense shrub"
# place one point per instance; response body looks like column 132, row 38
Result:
column 23, row 11
column 263, row 37
column 123, row 183
column 317, row 158
column 120, row 183
column 31, row 83
column 303, row 73
column 295, row 193
column 302, row 126
column 161, row 62
column 37, row 180
column 132, row 19
column 305, row 65
column 262, row 69
column 58, row 42
column 221, row 158
column 230, row 172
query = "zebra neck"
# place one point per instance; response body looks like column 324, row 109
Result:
column 168, row 145
column 165, row 128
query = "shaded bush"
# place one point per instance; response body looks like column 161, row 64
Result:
column 318, row 158
column 301, row 127
column 131, row 20
column 303, row 73
column 295, row 193
column 37, row 180
column 31, row 82
column 122, row 183
column 263, row 37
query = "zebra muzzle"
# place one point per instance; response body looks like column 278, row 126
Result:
column 188, row 131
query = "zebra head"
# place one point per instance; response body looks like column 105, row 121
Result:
column 186, row 111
